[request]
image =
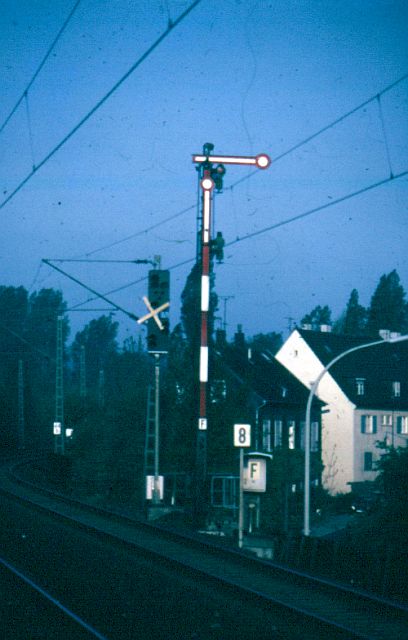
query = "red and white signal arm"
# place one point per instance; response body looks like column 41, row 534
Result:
column 255, row 475
column 242, row 435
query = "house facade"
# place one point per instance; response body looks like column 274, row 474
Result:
column 276, row 402
column 366, row 394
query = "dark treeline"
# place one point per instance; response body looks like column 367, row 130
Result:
column 105, row 403
column 106, row 384
column 388, row 309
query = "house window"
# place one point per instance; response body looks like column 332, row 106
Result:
column 360, row 386
column 386, row 420
column 284, row 392
column 291, row 434
column 402, row 425
column 396, row 389
column 368, row 424
column 266, row 435
column 180, row 393
column 277, row 441
column 218, row 391
column 302, row 435
column 314, row 436
column 368, row 461
column 224, row 492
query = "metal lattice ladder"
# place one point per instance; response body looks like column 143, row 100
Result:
column 150, row 441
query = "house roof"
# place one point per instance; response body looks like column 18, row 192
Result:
column 378, row 367
column 267, row 377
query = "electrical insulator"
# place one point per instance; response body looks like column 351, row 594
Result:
column 217, row 246
column 217, row 175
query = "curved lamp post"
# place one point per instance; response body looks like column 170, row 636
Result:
column 306, row 523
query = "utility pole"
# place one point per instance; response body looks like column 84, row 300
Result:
column 225, row 300
column 21, row 434
column 211, row 171
column 59, row 431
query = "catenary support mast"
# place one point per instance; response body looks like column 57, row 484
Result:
column 21, row 434
column 59, row 430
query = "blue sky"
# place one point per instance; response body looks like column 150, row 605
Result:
column 250, row 77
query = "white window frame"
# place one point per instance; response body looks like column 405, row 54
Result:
column 360, row 386
column 370, row 424
column 396, row 389
column 314, row 436
column 402, row 425
column 291, row 434
column 386, row 420
column 277, row 433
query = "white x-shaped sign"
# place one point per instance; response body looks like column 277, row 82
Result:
column 153, row 312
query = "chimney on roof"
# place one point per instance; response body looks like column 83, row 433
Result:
column 325, row 328
column 220, row 338
column 386, row 334
column 239, row 338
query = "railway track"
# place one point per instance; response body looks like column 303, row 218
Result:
column 322, row 608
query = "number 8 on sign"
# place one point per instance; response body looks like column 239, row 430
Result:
column 242, row 435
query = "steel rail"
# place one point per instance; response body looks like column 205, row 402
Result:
column 284, row 579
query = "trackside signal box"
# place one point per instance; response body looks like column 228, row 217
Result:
column 158, row 325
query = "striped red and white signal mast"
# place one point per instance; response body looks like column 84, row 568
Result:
column 211, row 170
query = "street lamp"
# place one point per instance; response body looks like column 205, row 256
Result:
column 306, row 522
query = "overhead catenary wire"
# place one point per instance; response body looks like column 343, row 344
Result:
column 40, row 66
column 96, row 293
column 22, row 339
column 131, row 284
column 271, row 227
column 276, row 159
column 384, row 131
column 30, row 130
column 310, row 212
column 102, row 101
column 102, row 261
column 335, row 122
column 142, row 231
